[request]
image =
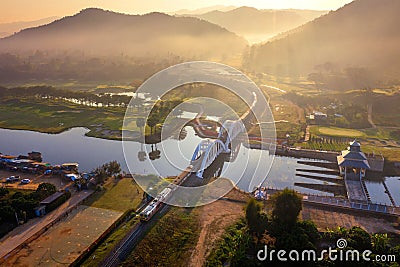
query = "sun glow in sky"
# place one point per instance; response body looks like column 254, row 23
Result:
column 25, row 10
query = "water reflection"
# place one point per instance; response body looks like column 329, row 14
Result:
column 74, row 146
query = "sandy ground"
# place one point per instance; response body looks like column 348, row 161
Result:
column 330, row 219
column 214, row 219
column 58, row 181
column 65, row 241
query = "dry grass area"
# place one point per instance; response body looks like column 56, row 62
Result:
column 214, row 219
column 65, row 241
column 325, row 219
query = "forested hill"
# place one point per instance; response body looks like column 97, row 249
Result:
column 101, row 32
column 257, row 24
column 361, row 34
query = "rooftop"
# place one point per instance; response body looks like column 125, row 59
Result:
column 353, row 157
column 51, row 198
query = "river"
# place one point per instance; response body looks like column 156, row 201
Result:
column 89, row 152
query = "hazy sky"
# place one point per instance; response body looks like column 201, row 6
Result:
column 22, row 10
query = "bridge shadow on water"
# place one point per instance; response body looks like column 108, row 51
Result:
column 211, row 173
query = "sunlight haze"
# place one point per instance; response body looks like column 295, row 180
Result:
column 24, row 10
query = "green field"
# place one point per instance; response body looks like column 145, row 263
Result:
column 334, row 131
column 119, row 195
column 169, row 242
column 123, row 195
column 55, row 116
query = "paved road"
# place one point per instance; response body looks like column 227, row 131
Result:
column 24, row 232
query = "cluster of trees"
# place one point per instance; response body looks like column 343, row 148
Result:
column 21, row 204
column 49, row 92
column 281, row 229
column 67, row 65
column 348, row 111
column 106, row 170
column 328, row 76
column 160, row 112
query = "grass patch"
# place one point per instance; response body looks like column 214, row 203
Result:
column 56, row 116
column 169, row 242
column 334, row 131
column 119, row 195
column 122, row 195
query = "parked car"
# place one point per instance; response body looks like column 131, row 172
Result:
column 25, row 181
column 12, row 179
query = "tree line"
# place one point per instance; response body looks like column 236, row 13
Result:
column 87, row 98
column 20, row 205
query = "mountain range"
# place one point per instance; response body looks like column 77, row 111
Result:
column 259, row 25
column 362, row 34
column 7, row 29
column 101, row 32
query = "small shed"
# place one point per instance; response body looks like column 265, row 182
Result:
column 50, row 199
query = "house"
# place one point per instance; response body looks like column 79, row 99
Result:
column 318, row 117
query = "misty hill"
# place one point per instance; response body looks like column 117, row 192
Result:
column 259, row 25
column 100, row 32
column 362, row 34
column 203, row 10
column 7, row 29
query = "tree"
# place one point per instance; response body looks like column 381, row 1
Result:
column 286, row 207
column 7, row 213
column 113, row 168
column 152, row 121
column 380, row 243
column 100, row 174
column 45, row 189
column 3, row 191
column 256, row 219
column 359, row 239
